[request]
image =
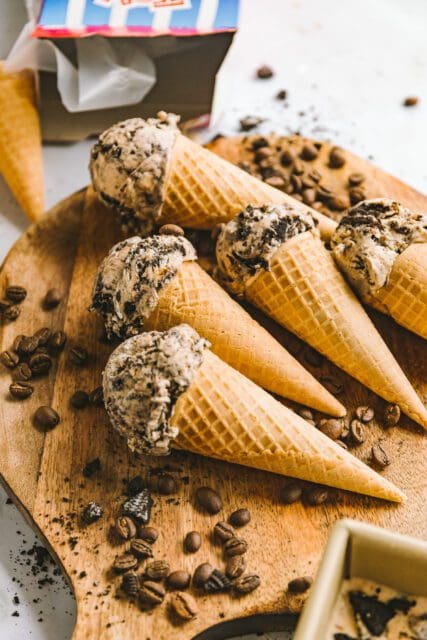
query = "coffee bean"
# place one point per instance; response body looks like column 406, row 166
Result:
column 276, row 181
column 247, row 583
column 125, row 528
column 379, row 456
column 166, row 484
column 307, row 182
column 171, row 230
column 96, row 397
column 306, row 414
column 16, row 345
column 91, row 513
column 43, row 336
column 40, row 364
column 331, row 427
column 263, row 153
column 354, row 179
column 240, row 518
column 28, row 344
column 22, row 373
column 264, row 72
column 309, row 196
column 52, row 299
column 130, row 584
column 4, row 304
column 183, row 605
column 11, row 313
column 217, row 582
column 357, row 431
column 323, row 193
column 152, row 593
column 135, row 485
column 149, row 534
column 235, row 567
column 297, row 168
column 286, row 158
column 336, row 158
column 309, row 152
column 9, row 359
column 259, row 142
column 235, row 547
column 79, row 400
column 202, row 574
column 391, row 415
column 223, row 531
column 336, row 203
column 332, row 384
column 342, row 444
column 411, row 101
column 345, row 429
column 249, row 122
column 209, row 500
column 16, row 294
column 365, row 414
column 141, row 548
column 296, row 183
column 356, row 195
column 315, row 175
column 290, row 493
column 178, row 580
column 282, row 94
column 157, row 569
column 300, row 585
column 46, row 417
column 125, row 562
column 57, row 340
column 315, row 496
column 192, row 542
column 21, row 390
column 78, row 355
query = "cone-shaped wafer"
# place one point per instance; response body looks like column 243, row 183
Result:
column 303, row 290
column 154, row 283
column 164, row 388
column 20, row 141
column 152, row 174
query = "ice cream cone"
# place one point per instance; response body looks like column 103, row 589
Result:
column 203, row 190
column 194, row 298
column 224, row 415
column 20, row 141
column 304, row 291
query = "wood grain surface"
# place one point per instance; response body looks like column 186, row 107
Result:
column 43, row 471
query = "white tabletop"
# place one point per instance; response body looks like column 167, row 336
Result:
column 347, row 66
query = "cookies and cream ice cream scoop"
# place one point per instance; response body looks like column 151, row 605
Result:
column 273, row 257
column 164, row 389
column 381, row 247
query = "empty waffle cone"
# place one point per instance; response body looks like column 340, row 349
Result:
column 224, row 415
column 194, row 298
column 20, row 141
column 305, row 292
column 203, row 190
column 404, row 296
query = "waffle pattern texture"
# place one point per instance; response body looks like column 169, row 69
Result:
column 226, row 416
column 305, row 292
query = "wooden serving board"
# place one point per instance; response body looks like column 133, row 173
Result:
column 43, row 471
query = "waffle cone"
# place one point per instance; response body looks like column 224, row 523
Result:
column 20, row 141
column 226, row 416
column 203, row 190
column 305, row 292
column 404, row 297
column 194, row 298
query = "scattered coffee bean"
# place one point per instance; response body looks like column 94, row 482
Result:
column 331, row 427
column 130, row 584
column 78, row 355
column 336, row 203
column 171, row 230
column 52, row 299
column 183, row 605
column 356, row 195
column 306, row 414
column 240, row 518
column 9, row 359
column 178, row 580
column 264, row 72
column 290, row 493
column 235, row 547
column 345, row 429
column 139, row 506
column 209, row 500
column 157, row 569
column 247, row 583
column 249, row 122
column 40, row 364
column 298, row 169
column 315, row 496
column 57, row 340
column 92, row 467
column 336, row 158
column 21, row 390
column 287, row 158
column 276, row 181
column 217, row 582
column 263, row 153
column 365, row 414
column 354, row 179
column 16, row 294
column 282, row 94
column 332, row 384
column 96, row 397
column 192, row 542
column 4, row 304
column 11, row 313
column 411, row 101
column 342, row 444
column 309, row 152
column 79, row 400
column 46, row 417
column 259, row 142
column 125, row 562
column 152, row 593
column 16, row 345
column 22, row 373
column 202, row 574
column 135, row 485
column 91, row 513
column 300, row 585
column 309, row 196
column 391, row 415
column 163, row 483
column 149, row 534
column 28, row 344
column 43, row 336
column 141, row 548
column 379, row 457
column 235, row 567
column 125, row 528
column 223, row 531
column 357, row 432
